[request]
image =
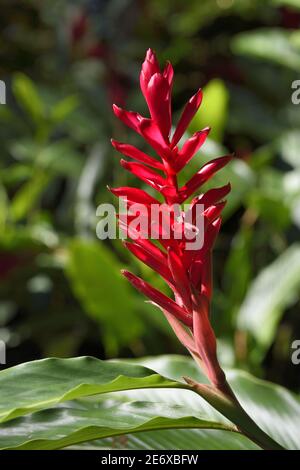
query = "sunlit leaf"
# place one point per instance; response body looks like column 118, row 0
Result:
column 64, row 426
column 42, row 384
column 28, row 97
column 213, row 110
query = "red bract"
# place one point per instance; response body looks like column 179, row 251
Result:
column 186, row 270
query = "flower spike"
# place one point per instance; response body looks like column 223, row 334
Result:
column 186, row 269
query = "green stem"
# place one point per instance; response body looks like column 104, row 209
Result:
column 224, row 400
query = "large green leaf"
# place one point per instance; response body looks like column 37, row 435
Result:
column 175, row 439
column 96, row 280
column 46, row 383
column 61, row 427
column 41, row 384
column 271, row 292
column 275, row 409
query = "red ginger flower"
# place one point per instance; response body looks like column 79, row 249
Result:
column 186, row 271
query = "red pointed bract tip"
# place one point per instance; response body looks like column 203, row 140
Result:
column 159, row 298
column 188, row 113
column 136, row 154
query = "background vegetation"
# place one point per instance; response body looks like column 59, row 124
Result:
column 64, row 64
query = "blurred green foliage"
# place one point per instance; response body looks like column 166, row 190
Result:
column 64, row 64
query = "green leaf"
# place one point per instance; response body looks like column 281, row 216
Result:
column 46, row 383
column 270, row 293
column 61, row 110
column 79, row 422
column 275, row 45
column 213, row 111
column 28, row 194
column 40, row 384
column 272, row 407
column 15, row 174
column 175, row 439
column 96, row 280
column 234, row 412
column 28, row 97
column 25, row 149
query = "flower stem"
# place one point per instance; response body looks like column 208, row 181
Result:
column 225, row 401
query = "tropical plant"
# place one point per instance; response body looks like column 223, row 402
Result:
column 37, row 395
